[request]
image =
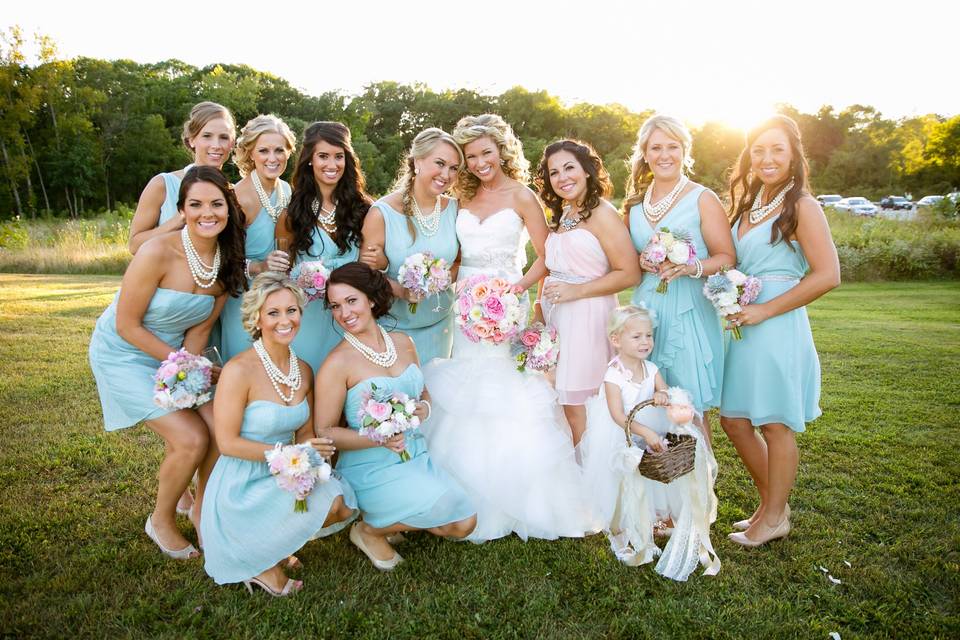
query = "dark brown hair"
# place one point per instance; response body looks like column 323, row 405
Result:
column 598, row 180
column 370, row 282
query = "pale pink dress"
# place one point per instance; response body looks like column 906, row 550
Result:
column 576, row 256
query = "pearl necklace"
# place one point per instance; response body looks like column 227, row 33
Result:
column 203, row 274
column 759, row 211
column 277, row 377
column 431, row 223
column 384, row 359
column 654, row 212
column 282, row 200
column 326, row 219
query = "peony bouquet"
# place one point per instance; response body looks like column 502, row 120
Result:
column 730, row 290
column 424, row 274
column 313, row 279
column 675, row 246
column 487, row 311
column 384, row 414
column 297, row 468
column 182, row 381
column 537, row 347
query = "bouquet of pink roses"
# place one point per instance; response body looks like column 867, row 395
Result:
column 182, row 381
column 297, row 468
column 487, row 310
column 424, row 274
column 675, row 246
column 537, row 347
column 384, row 414
column 313, row 279
column 729, row 291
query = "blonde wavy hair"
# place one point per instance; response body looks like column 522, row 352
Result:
column 425, row 142
column 622, row 315
column 263, row 285
column 514, row 163
column 200, row 115
column 248, row 139
column 640, row 174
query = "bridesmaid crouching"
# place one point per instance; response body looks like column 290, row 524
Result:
column 394, row 496
column 264, row 397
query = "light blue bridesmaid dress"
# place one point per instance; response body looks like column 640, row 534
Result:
column 416, row 492
column 319, row 334
column 688, row 341
column 247, row 522
column 259, row 243
column 773, row 373
column 171, row 183
column 431, row 330
column 124, row 373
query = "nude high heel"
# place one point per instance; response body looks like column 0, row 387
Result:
column 290, row 588
column 382, row 565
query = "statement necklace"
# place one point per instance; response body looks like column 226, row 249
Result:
column 759, row 211
column 384, row 359
column 654, row 212
column 327, row 219
column 277, row 377
column 431, row 223
column 203, row 274
column 566, row 224
column 282, row 199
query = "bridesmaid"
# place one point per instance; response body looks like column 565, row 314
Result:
column 263, row 148
column 208, row 134
column 689, row 345
column 772, row 375
column 169, row 298
column 264, row 397
column 394, row 496
column 397, row 227
column 324, row 222
column 590, row 259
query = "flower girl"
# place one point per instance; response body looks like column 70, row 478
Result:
column 630, row 504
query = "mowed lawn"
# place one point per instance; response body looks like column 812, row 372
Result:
column 877, row 505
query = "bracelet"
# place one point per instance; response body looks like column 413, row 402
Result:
column 246, row 269
column 699, row 272
column 429, row 409
column 536, row 302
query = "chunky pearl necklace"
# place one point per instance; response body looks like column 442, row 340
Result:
column 759, row 211
column 431, row 223
column 326, row 219
column 282, row 199
column 203, row 274
column 654, row 212
column 277, row 377
column 384, row 359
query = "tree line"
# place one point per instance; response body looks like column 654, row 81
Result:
column 85, row 134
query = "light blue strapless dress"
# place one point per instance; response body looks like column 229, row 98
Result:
column 319, row 334
column 247, row 522
column 171, row 183
column 688, row 345
column 417, row 492
column 431, row 331
column 259, row 243
column 123, row 372
column 773, row 373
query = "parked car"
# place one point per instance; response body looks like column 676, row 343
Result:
column 830, row 200
column 857, row 205
column 896, row 202
column 928, row 201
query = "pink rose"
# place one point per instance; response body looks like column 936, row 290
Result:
column 530, row 338
column 499, row 284
column 482, row 329
column 167, row 370
column 480, row 292
column 379, row 411
column 319, row 280
column 493, row 308
column 464, row 303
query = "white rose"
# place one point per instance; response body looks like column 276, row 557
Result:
column 727, row 298
column 542, row 348
column 730, row 310
column 667, row 240
column 736, row 277
column 679, row 253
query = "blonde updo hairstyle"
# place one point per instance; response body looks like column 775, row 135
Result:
column 263, row 285
column 640, row 174
column 620, row 316
column 512, row 160
column 251, row 132
column 425, row 142
column 200, row 115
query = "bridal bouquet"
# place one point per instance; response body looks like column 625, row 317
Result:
column 182, row 381
column 297, row 468
column 313, row 279
column 424, row 274
column 537, row 347
column 729, row 291
column 487, row 311
column 675, row 246
column 384, row 414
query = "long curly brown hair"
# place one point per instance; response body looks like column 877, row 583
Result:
column 744, row 186
column 598, row 180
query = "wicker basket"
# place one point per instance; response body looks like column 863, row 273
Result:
column 664, row 466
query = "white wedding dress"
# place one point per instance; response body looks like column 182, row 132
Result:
column 501, row 433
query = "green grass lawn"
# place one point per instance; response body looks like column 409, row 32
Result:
column 878, row 489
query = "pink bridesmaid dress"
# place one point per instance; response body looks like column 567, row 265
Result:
column 575, row 257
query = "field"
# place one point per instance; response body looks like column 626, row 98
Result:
column 876, row 505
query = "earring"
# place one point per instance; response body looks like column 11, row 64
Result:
column 503, row 162
column 416, row 170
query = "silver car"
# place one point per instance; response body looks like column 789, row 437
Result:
column 857, row 205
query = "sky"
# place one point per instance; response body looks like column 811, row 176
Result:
column 723, row 60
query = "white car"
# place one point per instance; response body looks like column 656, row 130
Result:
column 829, row 200
column 857, row 205
column 929, row 201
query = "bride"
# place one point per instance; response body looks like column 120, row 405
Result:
column 499, row 432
